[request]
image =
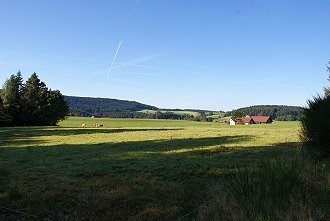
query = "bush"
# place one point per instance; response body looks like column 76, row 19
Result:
column 316, row 127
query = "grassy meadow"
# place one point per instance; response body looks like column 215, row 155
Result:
column 132, row 169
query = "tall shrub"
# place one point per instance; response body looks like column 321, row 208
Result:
column 315, row 132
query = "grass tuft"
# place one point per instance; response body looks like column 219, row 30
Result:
column 279, row 190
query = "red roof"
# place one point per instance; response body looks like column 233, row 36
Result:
column 261, row 119
column 237, row 119
column 247, row 120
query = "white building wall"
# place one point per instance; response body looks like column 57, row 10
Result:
column 232, row 122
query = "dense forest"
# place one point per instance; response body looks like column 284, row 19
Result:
column 104, row 107
column 277, row 112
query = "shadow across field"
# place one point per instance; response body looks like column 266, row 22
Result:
column 143, row 180
column 172, row 145
column 29, row 135
column 207, row 150
column 62, row 131
column 210, row 152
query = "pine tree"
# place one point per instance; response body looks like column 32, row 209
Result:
column 30, row 104
column 56, row 109
column 4, row 118
column 35, row 101
column 12, row 97
column 42, row 106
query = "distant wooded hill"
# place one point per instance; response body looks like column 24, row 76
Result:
column 103, row 107
column 106, row 107
column 277, row 112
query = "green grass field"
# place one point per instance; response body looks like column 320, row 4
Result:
column 129, row 169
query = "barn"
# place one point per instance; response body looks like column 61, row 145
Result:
column 251, row 120
column 248, row 120
column 245, row 120
column 262, row 119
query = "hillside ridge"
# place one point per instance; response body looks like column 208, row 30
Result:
column 102, row 107
column 109, row 107
column 278, row 112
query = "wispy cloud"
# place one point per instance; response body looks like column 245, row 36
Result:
column 117, row 65
column 151, row 74
column 97, row 73
column 75, row 58
column 136, row 62
column 131, row 64
column 62, row 57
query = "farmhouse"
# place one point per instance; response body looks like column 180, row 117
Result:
column 251, row 120
column 232, row 121
column 262, row 119
column 248, row 120
column 244, row 120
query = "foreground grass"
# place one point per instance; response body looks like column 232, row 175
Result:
column 278, row 189
column 130, row 169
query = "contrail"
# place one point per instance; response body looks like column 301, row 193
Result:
column 136, row 62
column 135, row 6
column 114, row 59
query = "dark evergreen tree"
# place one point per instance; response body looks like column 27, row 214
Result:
column 35, row 101
column 5, row 119
column 56, row 108
column 42, row 106
column 11, row 95
column 30, row 104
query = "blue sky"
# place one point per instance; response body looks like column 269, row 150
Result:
column 205, row 54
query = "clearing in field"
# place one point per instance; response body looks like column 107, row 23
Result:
column 129, row 169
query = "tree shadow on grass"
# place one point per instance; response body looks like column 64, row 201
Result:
column 193, row 148
column 62, row 131
column 273, row 149
column 155, row 155
column 144, row 180
column 173, row 145
column 122, row 180
column 16, row 136
column 206, row 147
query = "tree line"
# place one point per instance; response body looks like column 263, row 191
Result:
column 114, row 108
column 173, row 116
column 103, row 107
column 144, row 115
column 276, row 112
column 30, row 103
